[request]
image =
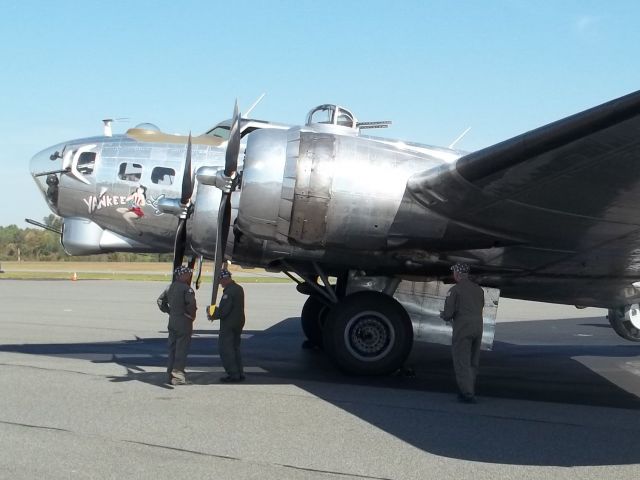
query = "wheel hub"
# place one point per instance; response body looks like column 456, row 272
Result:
column 633, row 315
column 369, row 336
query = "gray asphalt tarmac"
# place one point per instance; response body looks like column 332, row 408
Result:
column 81, row 396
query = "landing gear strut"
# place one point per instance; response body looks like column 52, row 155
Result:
column 313, row 317
column 315, row 309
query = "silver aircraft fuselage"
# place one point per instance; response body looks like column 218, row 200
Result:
column 319, row 193
column 371, row 226
column 323, row 193
column 118, row 191
column 107, row 190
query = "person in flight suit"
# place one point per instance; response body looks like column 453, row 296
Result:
column 180, row 301
column 463, row 306
column 231, row 315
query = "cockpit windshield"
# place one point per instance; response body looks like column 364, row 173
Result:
column 220, row 131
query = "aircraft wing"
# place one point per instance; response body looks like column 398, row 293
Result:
column 572, row 186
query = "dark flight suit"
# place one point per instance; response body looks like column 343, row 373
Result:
column 463, row 306
column 231, row 315
column 182, row 312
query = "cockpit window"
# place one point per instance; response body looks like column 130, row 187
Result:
column 86, row 162
column 332, row 115
column 322, row 115
column 163, row 175
column 220, row 131
column 344, row 119
column 130, row 172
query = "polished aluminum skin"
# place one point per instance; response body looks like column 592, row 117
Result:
column 120, row 190
column 424, row 301
column 324, row 190
column 550, row 215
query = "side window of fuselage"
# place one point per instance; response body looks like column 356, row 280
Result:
column 130, row 172
column 86, row 163
column 163, row 176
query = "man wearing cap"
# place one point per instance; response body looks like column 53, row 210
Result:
column 182, row 312
column 463, row 306
column 231, row 315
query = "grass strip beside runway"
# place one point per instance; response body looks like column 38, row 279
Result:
column 134, row 271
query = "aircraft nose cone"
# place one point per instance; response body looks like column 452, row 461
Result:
column 44, row 167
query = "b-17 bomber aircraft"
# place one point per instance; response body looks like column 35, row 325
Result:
column 369, row 227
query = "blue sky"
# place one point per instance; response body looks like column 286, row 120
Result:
column 434, row 68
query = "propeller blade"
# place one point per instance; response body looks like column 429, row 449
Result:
column 180, row 243
column 187, row 181
column 199, row 275
column 192, row 262
column 233, row 145
column 224, row 212
column 224, row 219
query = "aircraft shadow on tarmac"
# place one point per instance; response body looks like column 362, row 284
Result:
column 517, row 370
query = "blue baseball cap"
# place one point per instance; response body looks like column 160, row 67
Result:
column 224, row 274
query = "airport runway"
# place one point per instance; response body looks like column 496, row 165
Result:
column 81, row 396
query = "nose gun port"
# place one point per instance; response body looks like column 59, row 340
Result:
column 46, row 168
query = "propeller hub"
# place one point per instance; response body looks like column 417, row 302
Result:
column 172, row 206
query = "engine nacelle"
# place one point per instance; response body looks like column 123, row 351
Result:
column 317, row 189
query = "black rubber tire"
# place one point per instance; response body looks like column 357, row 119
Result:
column 312, row 320
column 623, row 327
column 368, row 333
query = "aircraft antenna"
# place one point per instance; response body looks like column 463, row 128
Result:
column 108, row 122
column 459, row 137
column 107, row 127
column 246, row 114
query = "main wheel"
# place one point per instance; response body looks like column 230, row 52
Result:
column 312, row 318
column 625, row 321
column 368, row 333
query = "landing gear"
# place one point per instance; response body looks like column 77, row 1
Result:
column 365, row 333
column 313, row 316
column 625, row 321
column 368, row 333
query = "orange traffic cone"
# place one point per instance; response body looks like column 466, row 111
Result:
column 74, row 277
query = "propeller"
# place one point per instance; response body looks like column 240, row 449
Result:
column 199, row 275
column 180, row 243
column 227, row 185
